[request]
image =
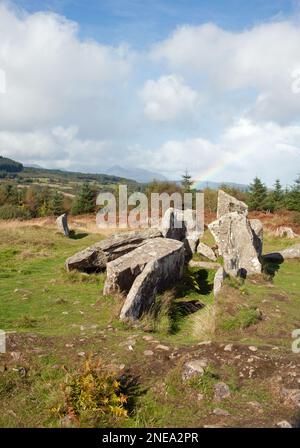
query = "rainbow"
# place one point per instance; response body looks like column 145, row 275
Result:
column 217, row 167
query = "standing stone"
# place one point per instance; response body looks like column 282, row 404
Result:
column 229, row 204
column 218, row 280
column 173, row 225
column 62, row 224
column 96, row 257
column 235, row 239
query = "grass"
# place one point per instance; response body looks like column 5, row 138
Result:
column 58, row 318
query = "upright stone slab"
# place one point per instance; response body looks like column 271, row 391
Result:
column 229, row 204
column 235, row 239
column 96, row 257
column 62, row 224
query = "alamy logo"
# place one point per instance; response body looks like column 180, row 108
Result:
column 2, row 341
column 2, row 81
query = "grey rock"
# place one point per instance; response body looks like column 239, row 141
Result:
column 206, row 251
column 96, row 257
column 235, row 239
column 285, row 232
column 222, row 391
column 218, row 280
column 173, row 225
column 286, row 254
column 195, row 367
column 229, row 204
column 62, row 224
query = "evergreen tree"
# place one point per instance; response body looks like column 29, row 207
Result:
column 57, row 204
column 186, row 182
column 258, row 195
column 85, row 201
column 293, row 196
column 277, row 196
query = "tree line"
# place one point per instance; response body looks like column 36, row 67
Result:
column 34, row 201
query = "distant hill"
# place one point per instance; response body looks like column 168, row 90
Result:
column 138, row 174
column 10, row 166
column 217, row 185
column 70, row 176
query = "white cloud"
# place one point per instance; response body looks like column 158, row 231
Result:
column 242, row 151
column 168, row 99
column 54, row 77
column 261, row 58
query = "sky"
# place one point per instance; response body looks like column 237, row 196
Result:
column 211, row 86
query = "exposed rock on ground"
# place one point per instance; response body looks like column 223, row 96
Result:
column 96, row 257
column 206, row 251
column 285, row 232
column 62, row 224
column 143, row 273
column 286, row 254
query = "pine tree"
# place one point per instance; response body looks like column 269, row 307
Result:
column 57, row 204
column 277, row 196
column 258, row 195
column 186, row 182
column 85, row 201
column 293, row 196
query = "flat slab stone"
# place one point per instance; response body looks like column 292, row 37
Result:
column 96, row 257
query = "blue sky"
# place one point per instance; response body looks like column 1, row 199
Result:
column 165, row 85
column 142, row 22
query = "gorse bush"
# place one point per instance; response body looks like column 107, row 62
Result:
column 9, row 211
column 93, row 395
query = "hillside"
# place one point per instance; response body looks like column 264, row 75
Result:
column 10, row 166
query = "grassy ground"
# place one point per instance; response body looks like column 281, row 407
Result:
column 55, row 320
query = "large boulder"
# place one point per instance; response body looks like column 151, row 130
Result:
column 96, row 257
column 235, row 239
column 62, row 224
column 229, row 204
column 143, row 273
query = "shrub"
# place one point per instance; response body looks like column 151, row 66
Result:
column 13, row 212
column 93, row 395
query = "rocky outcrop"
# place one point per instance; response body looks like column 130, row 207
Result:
column 142, row 274
column 62, row 224
column 235, row 239
column 96, row 257
column 229, row 204
column 206, row 251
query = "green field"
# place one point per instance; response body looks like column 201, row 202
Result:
column 55, row 320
